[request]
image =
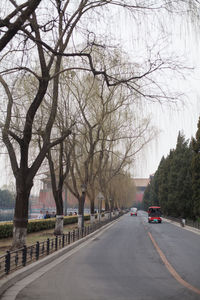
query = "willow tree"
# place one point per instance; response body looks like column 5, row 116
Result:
column 47, row 33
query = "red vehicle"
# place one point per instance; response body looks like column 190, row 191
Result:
column 154, row 214
column 133, row 211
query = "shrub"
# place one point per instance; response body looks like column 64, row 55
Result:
column 6, row 228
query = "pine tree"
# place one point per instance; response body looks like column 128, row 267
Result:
column 171, row 186
column 146, row 198
column 196, row 173
column 164, row 169
column 179, row 179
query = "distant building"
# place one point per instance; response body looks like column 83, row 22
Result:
column 141, row 184
column 46, row 201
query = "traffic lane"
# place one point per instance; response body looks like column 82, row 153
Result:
column 120, row 264
column 181, row 248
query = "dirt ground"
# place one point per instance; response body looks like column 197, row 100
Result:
column 34, row 237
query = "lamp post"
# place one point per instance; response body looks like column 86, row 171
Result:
column 83, row 190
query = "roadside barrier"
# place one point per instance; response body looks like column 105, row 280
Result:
column 184, row 222
column 14, row 260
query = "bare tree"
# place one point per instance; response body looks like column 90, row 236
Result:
column 104, row 122
column 37, row 50
column 20, row 15
column 59, row 159
column 123, row 191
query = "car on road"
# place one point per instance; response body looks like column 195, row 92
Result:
column 133, row 211
column 154, row 214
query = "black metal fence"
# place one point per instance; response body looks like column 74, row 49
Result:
column 17, row 259
column 191, row 223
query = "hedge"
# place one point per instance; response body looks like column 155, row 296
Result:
column 6, row 228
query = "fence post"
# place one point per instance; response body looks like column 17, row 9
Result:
column 24, row 255
column 69, row 240
column 56, row 243
column 63, row 240
column 48, row 244
column 37, row 252
column 7, row 262
column 73, row 235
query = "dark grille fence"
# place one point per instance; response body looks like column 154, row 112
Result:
column 17, row 259
column 191, row 223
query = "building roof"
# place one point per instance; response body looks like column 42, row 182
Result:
column 139, row 182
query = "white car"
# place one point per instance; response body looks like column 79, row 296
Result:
column 133, row 211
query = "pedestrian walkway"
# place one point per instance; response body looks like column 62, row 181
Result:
column 36, row 270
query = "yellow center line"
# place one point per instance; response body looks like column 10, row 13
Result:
column 171, row 269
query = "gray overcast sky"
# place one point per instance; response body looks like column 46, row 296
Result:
column 182, row 41
column 169, row 119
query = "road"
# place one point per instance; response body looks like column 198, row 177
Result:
column 123, row 264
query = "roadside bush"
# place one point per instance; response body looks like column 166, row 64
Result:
column 6, row 228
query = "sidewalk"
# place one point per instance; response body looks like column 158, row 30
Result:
column 22, row 277
column 186, row 227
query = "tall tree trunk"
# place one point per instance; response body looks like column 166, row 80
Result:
column 21, row 214
column 107, row 208
column 92, row 213
column 81, row 203
column 59, row 213
column 92, row 206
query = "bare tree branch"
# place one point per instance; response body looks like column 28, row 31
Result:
column 13, row 28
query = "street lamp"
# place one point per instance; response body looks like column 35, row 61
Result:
column 83, row 190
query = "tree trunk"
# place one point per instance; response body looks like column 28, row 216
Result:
column 81, row 211
column 79, row 221
column 59, row 213
column 20, row 221
column 107, row 208
column 92, row 207
column 59, row 225
column 79, row 206
column 92, row 218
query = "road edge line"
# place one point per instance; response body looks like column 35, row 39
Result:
column 171, row 269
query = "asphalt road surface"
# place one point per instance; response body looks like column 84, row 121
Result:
column 126, row 263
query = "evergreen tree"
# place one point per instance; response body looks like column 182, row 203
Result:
column 146, row 197
column 164, row 168
column 154, row 190
column 179, row 179
column 196, row 173
column 171, row 186
column 151, row 194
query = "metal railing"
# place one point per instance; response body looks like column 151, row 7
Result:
column 191, row 223
column 17, row 259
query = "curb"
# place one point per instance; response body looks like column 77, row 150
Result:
column 186, row 227
column 20, row 274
